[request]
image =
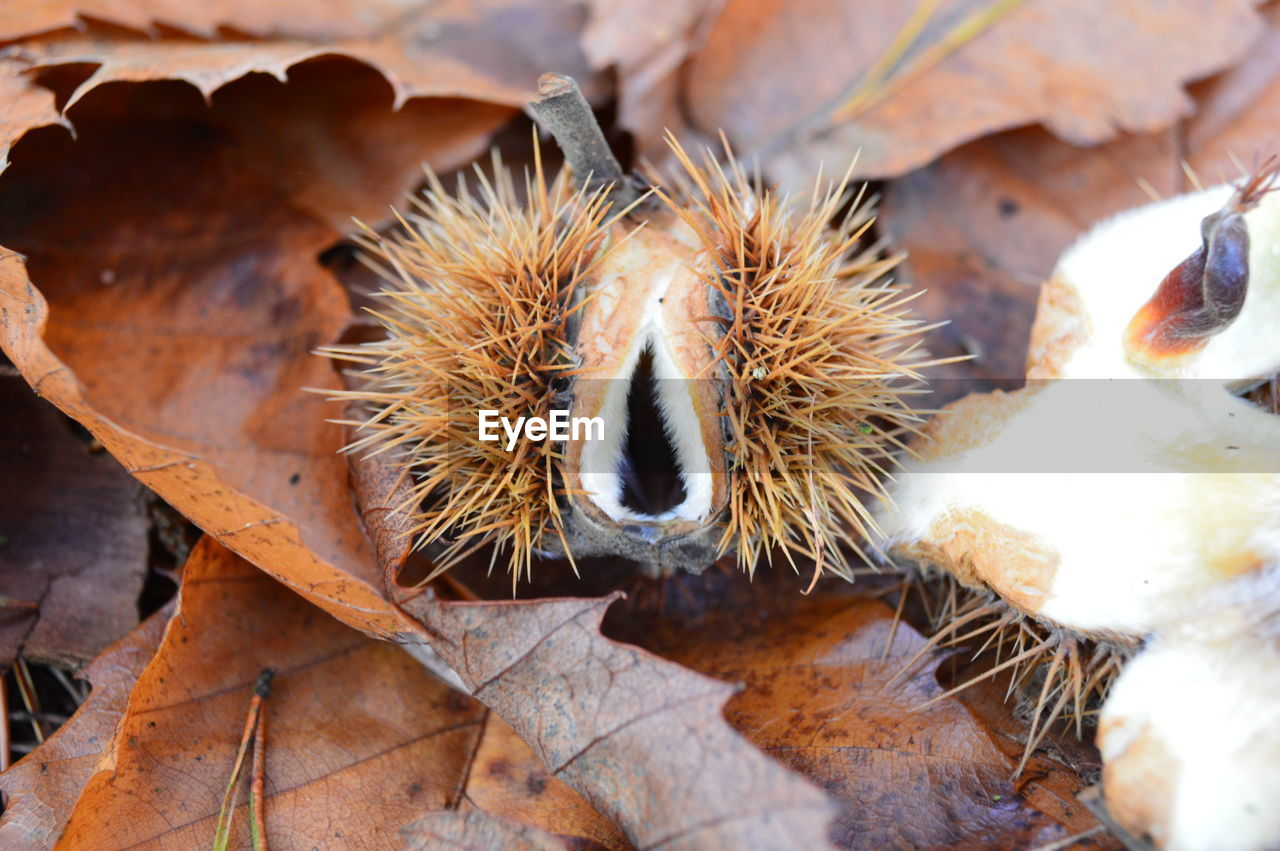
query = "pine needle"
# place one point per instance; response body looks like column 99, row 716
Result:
column 878, row 85
column 231, row 797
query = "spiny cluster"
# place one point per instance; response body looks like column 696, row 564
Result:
column 1052, row 671
column 479, row 291
column 820, row 351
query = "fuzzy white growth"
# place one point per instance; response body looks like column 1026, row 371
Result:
column 1194, row 497
column 1129, row 545
column 1190, row 733
column 1118, row 265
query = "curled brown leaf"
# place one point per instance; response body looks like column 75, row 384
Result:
column 175, row 293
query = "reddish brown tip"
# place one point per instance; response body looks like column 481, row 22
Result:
column 1205, row 293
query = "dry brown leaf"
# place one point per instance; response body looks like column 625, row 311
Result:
column 774, row 74
column 73, row 537
column 490, row 50
column 319, row 19
column 40, row 791
column 206, row 65
column 175, row 247
column 23, row 105
column 599, row 713
column 820, row 694
column 506, row 779
column 1237, row 121
column 983, row 228
column 360, row 739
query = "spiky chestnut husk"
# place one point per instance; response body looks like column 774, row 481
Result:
column 819, row 349
column 479, row 301
column 789, row 356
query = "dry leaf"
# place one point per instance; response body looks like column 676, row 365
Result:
column 40, row 790
column 23, row 105
column 506, row 779
column 176, row 246
column 599, row 713
column 360, row 739
column 983, row 228
column 489, row 50
column 1237, row 121
column 73, row 537
column 317, row 18
column 827, row 690
column 802, row 83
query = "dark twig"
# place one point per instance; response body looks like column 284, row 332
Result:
column 566, row 115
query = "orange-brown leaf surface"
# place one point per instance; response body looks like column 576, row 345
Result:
column 320, row 18
column 40, row 791
column 807, row 82
column 1014, row 203
column 360, row 739
column 23, row 105
column 598, row 712
column 490, row 51
column 66, row 596
column 505, row 779
column 175, row 292
column 648, row 43
column 827, row 689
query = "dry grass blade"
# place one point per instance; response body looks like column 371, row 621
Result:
column 30, row 699
column 878, row 85
column 258, row 773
